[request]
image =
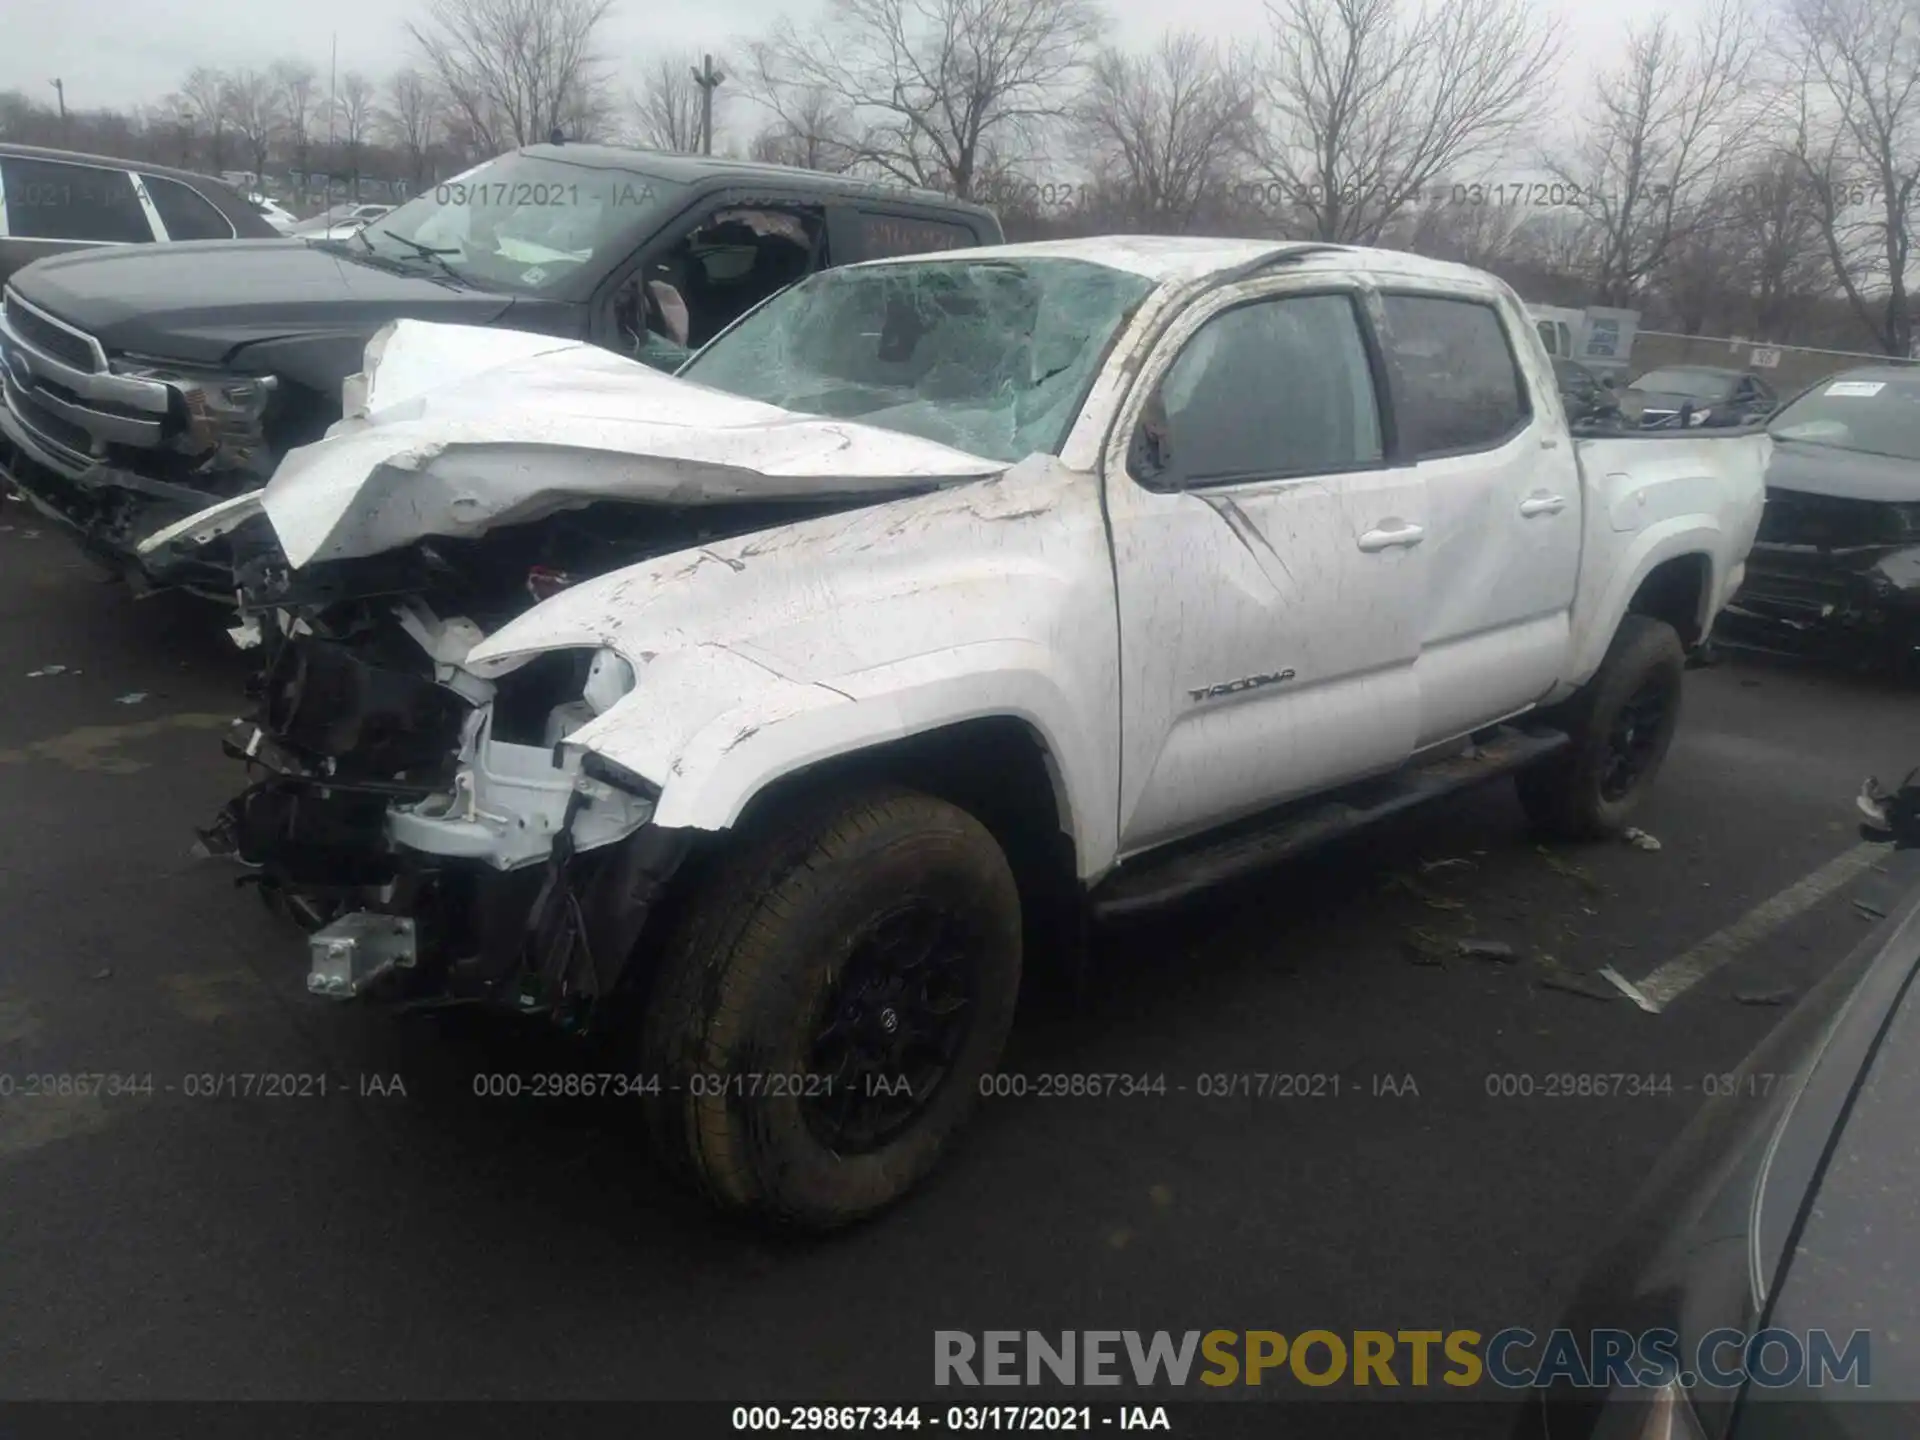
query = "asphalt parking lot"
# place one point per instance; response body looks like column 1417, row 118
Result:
column 367, row 1243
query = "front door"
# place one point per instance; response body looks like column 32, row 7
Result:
column 1269, row 561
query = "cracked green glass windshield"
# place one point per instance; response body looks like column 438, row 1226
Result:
column 521, row 222
column 994, row 357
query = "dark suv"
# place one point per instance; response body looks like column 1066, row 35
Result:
column 143, row 387
column 53, row 201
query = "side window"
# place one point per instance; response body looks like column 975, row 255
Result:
column 884, row 235
column 1566, row 339
column 47, row 200
column 1276, row 388
column 730, row 261
column 186, row 213
column 1456, row 382
column 1548, row 337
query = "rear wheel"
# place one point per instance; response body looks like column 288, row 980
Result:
column 1621, row 723
column 828, row 1005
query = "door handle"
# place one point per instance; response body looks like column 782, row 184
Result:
column 1405, row 535
column 1542, row 505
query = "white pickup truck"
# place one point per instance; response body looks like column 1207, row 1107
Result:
column 774, row 713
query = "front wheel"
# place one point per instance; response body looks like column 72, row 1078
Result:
column 828, row 1006
column 1621, row 723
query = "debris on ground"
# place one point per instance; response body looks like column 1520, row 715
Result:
column 1570, row 870
column 1627, row 988
column 1764, row 997
column 48, row 670
column 105, row 973
column 1639, row 839
column 1575, row 985
column 1426, row 948
column 1488, row 950
column 1423, row 894
column 132, row 697
column 1870, row 910
column 1427, row 867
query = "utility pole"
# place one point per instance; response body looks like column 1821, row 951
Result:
column 708, row 79
column 61, row 90
column 333, row 101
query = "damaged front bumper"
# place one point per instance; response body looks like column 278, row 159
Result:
column 1861, row 603
column 109, row 510
column 434, row 832
column 1832, row 576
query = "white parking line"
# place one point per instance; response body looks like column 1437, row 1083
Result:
column 1684, row 971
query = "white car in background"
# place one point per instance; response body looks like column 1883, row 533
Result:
column 339, row 222
column 274, row 213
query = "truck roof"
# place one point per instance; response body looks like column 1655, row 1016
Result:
column 691, row 169
column 1190, row 257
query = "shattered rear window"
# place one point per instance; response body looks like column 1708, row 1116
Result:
column 989, row 356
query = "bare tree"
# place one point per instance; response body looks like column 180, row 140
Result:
column 666, row 109
column 1483, row 236
column 252, row 104
column 204, row 96
column 354, row 112
column 811, row 126
column 934, row 86
column 410, row 119
column 296, row 80
column 1364, row 106
column 1777, row 246
column 1161, row 127
column 1856, row 136
column 516, row 69
column 1662, row 128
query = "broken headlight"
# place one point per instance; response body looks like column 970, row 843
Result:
column 609, row 677
column 223, row 411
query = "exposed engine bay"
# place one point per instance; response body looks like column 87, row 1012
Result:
column 426, row 826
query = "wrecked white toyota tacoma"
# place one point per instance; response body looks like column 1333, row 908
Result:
column 775, row 713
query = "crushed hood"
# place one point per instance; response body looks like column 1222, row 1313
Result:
column 453, row 430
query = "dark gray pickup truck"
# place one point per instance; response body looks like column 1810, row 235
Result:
column 142, row 386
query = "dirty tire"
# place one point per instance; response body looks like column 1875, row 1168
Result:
column 1575, row 794
column 745, row 984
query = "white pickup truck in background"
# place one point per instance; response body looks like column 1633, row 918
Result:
column 779, row 710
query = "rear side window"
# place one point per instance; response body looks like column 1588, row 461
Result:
column 1456, row 381
column 47, row 200
column 1267, row 390
column 186, row 213
column 882, row 236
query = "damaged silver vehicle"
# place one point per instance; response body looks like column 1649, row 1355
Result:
column 774, row 717
column 1835, row 572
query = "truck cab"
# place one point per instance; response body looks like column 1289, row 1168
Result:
column 145, row 384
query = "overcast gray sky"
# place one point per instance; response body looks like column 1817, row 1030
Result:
column 119, row 54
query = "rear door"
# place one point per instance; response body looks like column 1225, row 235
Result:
column 1502, row 500
column 1269, row 562
column 47, row 206
column 183, row 212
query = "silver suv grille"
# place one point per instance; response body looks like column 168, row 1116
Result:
column 68, row 346
column 64, row 399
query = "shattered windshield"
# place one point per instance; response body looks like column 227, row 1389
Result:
column 1874, row 417
column 990, row 356
column 520, row 222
